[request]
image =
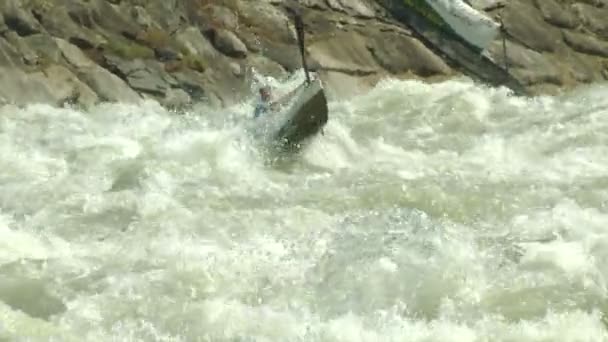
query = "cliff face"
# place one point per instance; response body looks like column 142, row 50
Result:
column 83, row 52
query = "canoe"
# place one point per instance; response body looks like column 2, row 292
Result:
column 303, row 118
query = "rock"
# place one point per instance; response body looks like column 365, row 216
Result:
column 28, row 56
column 45, row 46
column 54, row 85
column 265, row 66
column 596, row 19
column 9, row 55
column 346, row 52
column 555, row 14
column 194, row 41
column 176, row 99
column 60, row 24
column 399, row 54
column 581, row 68
column 222, row 17
column 17, row 19
column 525, row 23
column 267, row 21
column 357, row 8
column 106, row 85
column 343, row 86
column 191, row 83
column 586, row 44
column 286, row 55
column 20, row 88
column 168, row 14
column 109, row 17
column 529, row 66
column 228, row 43
column 65, row 87
column 236, row 69
column 73, row 55
column 141, row 17
column 144, row 76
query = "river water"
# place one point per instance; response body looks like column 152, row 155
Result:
column 445, row 212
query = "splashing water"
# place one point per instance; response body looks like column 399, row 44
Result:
column 445, row 212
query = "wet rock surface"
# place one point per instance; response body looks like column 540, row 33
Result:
column 181, row 52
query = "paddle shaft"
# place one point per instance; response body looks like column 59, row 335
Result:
column 299, row 24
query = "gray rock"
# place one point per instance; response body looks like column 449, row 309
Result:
column 196, row 43
column 20, row 88
column 586, row 44
column 357, row 8
column 222, row 16
column 265, row 66
column 236, row 69
column 526, row 24
column 555, row 14
column 110, row 17
column 142, row 18
column 191, row 83
column 59, row 23
column 228, row 43
column 44, row 45
column 65, row 87
column 73, row 55
column 346, row 52
column 17, row 19
column 581, row 68
column 267, row 21
column 106, row 85
column 399, row 54
column 176, row 99
column 529, row 66
column 28, row 55
column 596, row 19
column 144, row 76
column 9, row 55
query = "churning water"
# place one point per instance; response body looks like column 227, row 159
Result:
column 445, row 212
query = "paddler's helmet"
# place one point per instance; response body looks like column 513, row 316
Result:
column 264, row 91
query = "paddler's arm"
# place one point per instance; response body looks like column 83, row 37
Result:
column 285, row 98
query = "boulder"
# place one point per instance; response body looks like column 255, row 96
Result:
column 222, row 17
column 227, row 43
column 18, row 19
column 58, row 22
column 525, row 23
column 45, row 47
column 555, row 14
column 106, row 85
column 144, row 76
column 594, row 18
column 529, row 66
column 194, row 41
column 356, row 8
column 265, row 66
column 176, row 99
column 9, row 55
column 586, row 44
column 346, row 52
column 265, row 20
column 20, row 88
column 398, row 54
column 65, row 87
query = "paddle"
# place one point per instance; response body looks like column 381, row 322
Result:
column 299, row 25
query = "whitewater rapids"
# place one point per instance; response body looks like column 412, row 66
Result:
column 445, row 212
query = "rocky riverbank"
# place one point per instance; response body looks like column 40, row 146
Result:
column 179, row 52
